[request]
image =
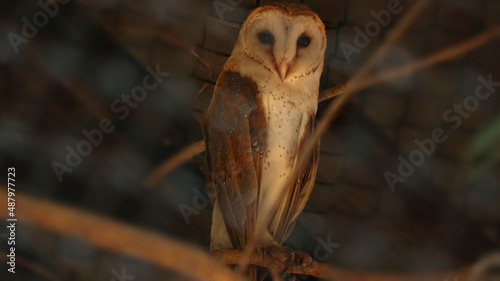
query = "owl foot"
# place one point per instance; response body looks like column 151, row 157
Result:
column 283, row 254
column 288, row 256
column 301, row 259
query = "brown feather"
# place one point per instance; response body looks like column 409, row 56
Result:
column 234, row 127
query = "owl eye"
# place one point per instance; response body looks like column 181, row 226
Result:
column 266, row 37
column 303, row 41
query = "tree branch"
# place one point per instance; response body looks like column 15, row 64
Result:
column 234, row 257
column 33, row 267
column 331, row 92
column 433, row 59
column 324, row 271
column 173, row 162
column 175, row 255
column 108, row 234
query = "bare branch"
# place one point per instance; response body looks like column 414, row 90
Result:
column 209, row 69
column 433, row 59
column 227, row 23
column 324, row 271
column 153, row 30
column 331, row 92
column 175, row 255
column 35, row 268
column 173, row 162
column 234, row 257
column 486, row 268
column 108, row 234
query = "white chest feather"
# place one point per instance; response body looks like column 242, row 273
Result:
column 288, row 108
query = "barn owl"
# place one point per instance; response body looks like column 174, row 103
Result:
column 261, row 115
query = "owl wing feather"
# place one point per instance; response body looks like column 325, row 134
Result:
column 235, row 128
column 302, row 189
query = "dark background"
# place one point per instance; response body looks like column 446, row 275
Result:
column 64, row 80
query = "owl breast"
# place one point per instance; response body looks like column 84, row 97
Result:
column 288, row 109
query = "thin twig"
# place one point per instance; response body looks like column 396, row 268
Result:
column 205, row 85
column 155, row 31
column 331, row 92
column 89, row 97
column 392, row 37
column 169, row 38
column 227, row 23
column 108, row 234
column 433, row 59
column 171, row 163
column 209, row 69
column 35, row 268
column 486, row 268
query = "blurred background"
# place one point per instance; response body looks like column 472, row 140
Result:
column 68, row 65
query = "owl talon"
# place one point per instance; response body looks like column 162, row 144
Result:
column 291, row 258
column 277, row 252
column 301, row 259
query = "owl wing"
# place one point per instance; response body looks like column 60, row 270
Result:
column 297, row 198
column 235, row 128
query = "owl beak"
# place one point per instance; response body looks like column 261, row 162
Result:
column 283, row 68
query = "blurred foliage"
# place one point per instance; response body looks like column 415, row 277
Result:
column 483, row 154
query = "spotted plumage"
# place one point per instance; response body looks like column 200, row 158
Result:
column 262, row 113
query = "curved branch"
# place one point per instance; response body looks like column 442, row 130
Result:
column 173, row 162
column 226, row 23
column 324, row 271
column 31, row 266
column 331, row 92
column 108, row 234
column 178, row 256
column 446, row 54
column 233, row 257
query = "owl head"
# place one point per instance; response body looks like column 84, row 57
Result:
column 287, row 40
